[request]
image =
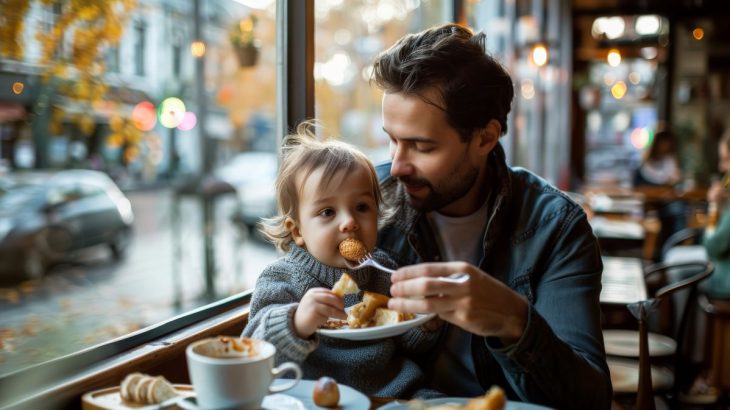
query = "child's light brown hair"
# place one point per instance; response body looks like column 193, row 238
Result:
column 302, row 153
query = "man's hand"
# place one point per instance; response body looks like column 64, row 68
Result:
column 316, row 306
column 481, row 305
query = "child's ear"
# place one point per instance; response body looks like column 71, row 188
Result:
column 293, row 228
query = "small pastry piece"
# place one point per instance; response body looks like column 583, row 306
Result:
column 385, row 316
column 493, row 399
column 326, row 393
column 160, row 390
column 345, row 286
column 362, row 313
column 140, row 392
column 128, row 386
column 352, row 249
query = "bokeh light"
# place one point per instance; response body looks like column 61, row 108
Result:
column 144, row 116
column 634, row 77
column 528, row 89
column 614, row 57
column 640, row 137
column 197, row 48
column 18, row 87
column 698, row 33
column 171, row 112
column 539, row 55
column 188, row 122
column 619, row 90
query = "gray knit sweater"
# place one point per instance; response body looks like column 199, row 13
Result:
column 377, row 367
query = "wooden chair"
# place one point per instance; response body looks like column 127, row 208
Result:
column 718, row 315
column 644, row 312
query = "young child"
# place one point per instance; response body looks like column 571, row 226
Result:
column 327, row 192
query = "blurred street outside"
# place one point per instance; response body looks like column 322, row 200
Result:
column 96, row 299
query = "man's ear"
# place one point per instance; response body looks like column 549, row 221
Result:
column 487, row 137
column 293, row 228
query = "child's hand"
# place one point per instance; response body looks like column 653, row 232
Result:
column 317, row 305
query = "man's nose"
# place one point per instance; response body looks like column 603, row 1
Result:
column 400, row 166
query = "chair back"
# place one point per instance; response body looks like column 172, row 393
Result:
column 693, row 274
column 692, row 236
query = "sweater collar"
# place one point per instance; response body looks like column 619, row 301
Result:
column 323, row 273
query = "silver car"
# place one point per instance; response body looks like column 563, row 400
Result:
column 252, row 175
column 46, row 216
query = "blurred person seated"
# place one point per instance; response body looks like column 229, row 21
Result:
column 716, row 241
column 660, row 167
column 717, row 235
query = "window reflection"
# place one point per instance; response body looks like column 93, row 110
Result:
column 348, row 35
column 85, row 90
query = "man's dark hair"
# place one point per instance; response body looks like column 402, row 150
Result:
column 474, row 87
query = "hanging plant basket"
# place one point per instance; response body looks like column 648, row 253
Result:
column 248, row 55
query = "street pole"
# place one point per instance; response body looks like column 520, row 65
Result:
column 207, row 160
column 174, row 155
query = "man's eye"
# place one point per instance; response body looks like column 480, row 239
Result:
column 423, row 148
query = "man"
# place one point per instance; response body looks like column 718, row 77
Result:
column 528, row 317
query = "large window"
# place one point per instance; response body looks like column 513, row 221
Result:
column 150, row 97
column 348, row 35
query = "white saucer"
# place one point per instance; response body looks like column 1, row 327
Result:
column 350, row 399
column 460, row 401
column 271, row 402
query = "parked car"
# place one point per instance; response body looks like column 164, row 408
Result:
column 46, row 216
column 253, row 175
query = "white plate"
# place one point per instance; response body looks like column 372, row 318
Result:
column 377, row 332
column 511, row 405
column 350, row 399
column 271, row 402
column 626, row 343
column 625, row 376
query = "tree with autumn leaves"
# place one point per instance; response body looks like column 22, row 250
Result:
column 77, row 72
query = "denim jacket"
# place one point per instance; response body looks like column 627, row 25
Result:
column 539, row 243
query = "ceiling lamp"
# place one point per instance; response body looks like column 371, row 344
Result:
column 539, row 55
column 647, row 25
column 614, row 57
column 698, row 33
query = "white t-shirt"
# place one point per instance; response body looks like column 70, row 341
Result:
column 460, row 239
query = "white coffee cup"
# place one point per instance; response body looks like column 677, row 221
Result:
column 235, row 379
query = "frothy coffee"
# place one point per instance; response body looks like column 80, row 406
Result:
column 228, row 347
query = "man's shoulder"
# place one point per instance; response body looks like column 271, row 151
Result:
column 532, row 187
column 538, row 201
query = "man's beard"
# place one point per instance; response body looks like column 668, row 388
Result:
column 457, row 184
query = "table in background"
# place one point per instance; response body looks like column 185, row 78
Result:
column 622, row 283
column 622, row 280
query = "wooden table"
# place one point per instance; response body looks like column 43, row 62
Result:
column 622, row 280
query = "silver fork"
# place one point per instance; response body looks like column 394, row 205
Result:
column 368, row 260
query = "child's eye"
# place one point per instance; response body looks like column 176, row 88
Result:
column 362, row 207
column 327, row 212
